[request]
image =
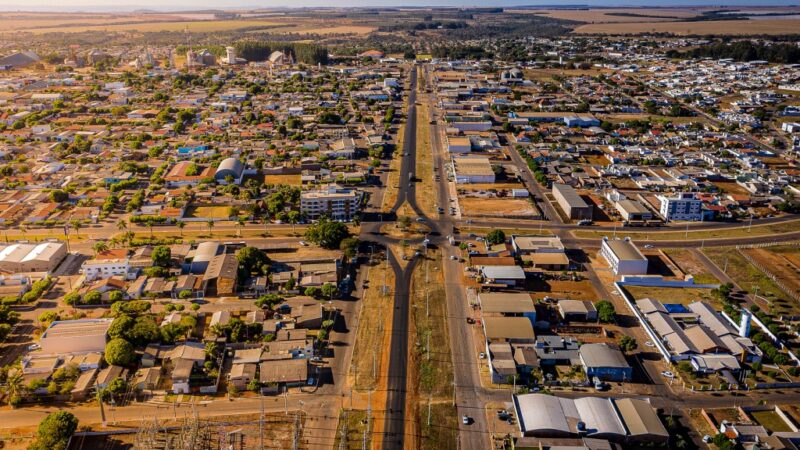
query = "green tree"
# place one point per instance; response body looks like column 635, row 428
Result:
column 92, row 298
column 162, row 256
column 605, row 311
column 120, row 326
column 496, row 236
column 329, row 290
column 327, row 234
column 58, row 196
column 252, row 262
column 119, row 352
column 72, row 298
column 55, row 431
column 628, row 344
column 115, row 296
column 348, row 246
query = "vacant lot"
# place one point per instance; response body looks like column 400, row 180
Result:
column 720, row 233
column 573, row 290
column 771, row 421
column 749, row 278
column 290, row 179
column 208, row 212
column 684, row 296
column 686, row 261
column 783, row 262
column 736, row 27
column 496, row 207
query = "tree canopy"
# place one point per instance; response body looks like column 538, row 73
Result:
column 54, row 431
column 327, row 233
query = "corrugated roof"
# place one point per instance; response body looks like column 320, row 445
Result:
column 640, row 418
column 601, row 355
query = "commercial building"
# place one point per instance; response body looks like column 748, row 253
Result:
column 106, row 265
column 574, row 207
column 506, row 275
column 577, row 310
column 618, row 420
column 623, row 257
column 507, row 304
column 633, row 211
column 508, row 329
column 458, row 144
column 230, row 169
column 334, row 202
column 604, row 363
column 75, row 336
column 221, row 276
column 43, row 257
column 683, row 206
column 473, row 170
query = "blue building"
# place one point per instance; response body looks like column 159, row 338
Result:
column 605, row 363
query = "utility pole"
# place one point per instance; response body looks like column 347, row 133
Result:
column 261, row 425
column 100, row 402
column 286, row 402
column 429, row 409
column 427, row 304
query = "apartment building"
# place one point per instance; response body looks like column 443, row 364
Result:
column 682, row 206
column 334, row 202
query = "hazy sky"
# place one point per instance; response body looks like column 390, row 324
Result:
column 176, row 5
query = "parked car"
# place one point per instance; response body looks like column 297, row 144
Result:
column 465, row 419
column 303, row 243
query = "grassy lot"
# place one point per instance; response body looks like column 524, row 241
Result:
column 683, row 296
column 393, row 177
column 288, row 179
column 771, row 421
column 783, row 262
column 690, row 265
column 352, row 425
column 432, row 343
column 748, row 277
column 207, row 212
column 721, row 233
column 373, row 328
column 442, row 433
column 424, row 166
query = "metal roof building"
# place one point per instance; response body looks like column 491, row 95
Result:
column 605, row 363
column 619, row 420
column 42, row 257
column 230, row 167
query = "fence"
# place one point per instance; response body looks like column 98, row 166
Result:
column 786, row 289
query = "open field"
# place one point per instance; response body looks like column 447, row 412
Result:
column 771, row 421
column 749, row 278
column 574, row 290
column 203, row 26
column 352, row 425
column 211, row 212
column 369, row 358
column 495, row 207
column 737, row 27
column 431, row 367
column 325, row 29
column 722, row 233
column 608, row 15
column 687, row 262
column 289, row 179
column 424, row 162
column 783, row 262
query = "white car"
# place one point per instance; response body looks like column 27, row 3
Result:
column 668, row 374
column 465, row 419
column 34, row 347
column 648, row 246
column 303, row 243
column 649, row 344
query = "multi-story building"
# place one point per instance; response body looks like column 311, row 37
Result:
column 683, row 206
column 334, row 202
column 623, row 257
column 106, row 265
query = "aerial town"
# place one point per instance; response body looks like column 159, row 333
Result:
column 400, row 236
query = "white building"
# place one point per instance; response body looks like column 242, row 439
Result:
column 473, row 170
column 75, row 336
column 683, row 206
column 106, row 266
column 623, row 257
column 335, row 202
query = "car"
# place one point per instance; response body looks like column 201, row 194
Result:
column 648, row 246
column 584, row 222
column 454, row 257
column 420, row 219
column 316, row 359
column 482, row 355
column 34, row 347
column 668, row 374
column 303, row 243
column 649, row 344
column 707, row 439
column 470, row 320
column 465, row 419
